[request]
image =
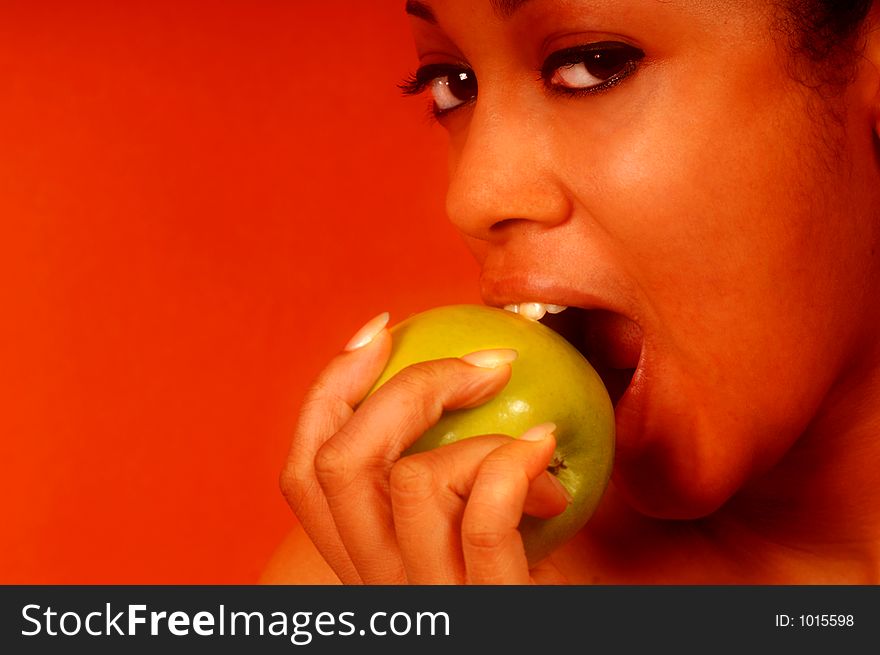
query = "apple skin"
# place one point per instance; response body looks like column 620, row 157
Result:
column 550, row 381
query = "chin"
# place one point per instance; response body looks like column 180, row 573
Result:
column 671, row 477
column 651, row 495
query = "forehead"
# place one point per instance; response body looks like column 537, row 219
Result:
column 504, row 9
column 473, row 21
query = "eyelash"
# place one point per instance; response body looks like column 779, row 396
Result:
column 579, row 55
column 416, row 83
column 419, row 81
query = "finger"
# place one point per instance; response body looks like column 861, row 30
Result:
column 354, row 466
column 329, row 403
column 491, row 543
column 428, row 493
column 547, row 497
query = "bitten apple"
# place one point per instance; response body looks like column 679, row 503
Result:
column 550, row 382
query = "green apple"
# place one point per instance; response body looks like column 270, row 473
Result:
column 550, row 381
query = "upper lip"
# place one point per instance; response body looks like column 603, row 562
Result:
column 603, row 349
column 501, row 290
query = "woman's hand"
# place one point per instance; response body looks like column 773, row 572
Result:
column 449, row 515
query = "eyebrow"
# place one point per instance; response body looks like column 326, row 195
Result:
column 421, row 10
column 506, row 8
column 503, row 9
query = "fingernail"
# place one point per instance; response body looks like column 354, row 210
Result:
column 560, row 487
column 539, row 432
column 367, row 333
column 490, row 358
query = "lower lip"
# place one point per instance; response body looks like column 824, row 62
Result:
column 617, row 381
column 613, row 344
column 628, row 410
column 616, row 345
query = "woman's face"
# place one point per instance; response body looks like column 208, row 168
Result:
column 656, row 163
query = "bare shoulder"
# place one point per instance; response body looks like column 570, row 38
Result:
column 297, row 561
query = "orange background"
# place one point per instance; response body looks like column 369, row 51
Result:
column 200, row 202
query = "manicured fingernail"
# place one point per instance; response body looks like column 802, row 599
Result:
column 539, row 432
column 490, row 358
column 560, row 487
column 367, row 333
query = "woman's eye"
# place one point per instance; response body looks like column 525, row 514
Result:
column 591, row 67
column 450, row 86
column 451, row 90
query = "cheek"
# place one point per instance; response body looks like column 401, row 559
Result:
column 744, row 274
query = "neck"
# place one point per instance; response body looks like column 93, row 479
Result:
column 821, row 504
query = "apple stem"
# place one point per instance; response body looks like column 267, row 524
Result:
column 556, row 466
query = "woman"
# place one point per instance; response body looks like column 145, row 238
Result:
column 700, row 179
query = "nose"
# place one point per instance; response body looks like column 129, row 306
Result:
column 502, row 172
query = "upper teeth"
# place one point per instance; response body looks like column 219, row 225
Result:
column 534, row 310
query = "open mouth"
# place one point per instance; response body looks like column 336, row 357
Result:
column 611, row 343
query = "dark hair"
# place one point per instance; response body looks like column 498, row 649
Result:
column 828, row 34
